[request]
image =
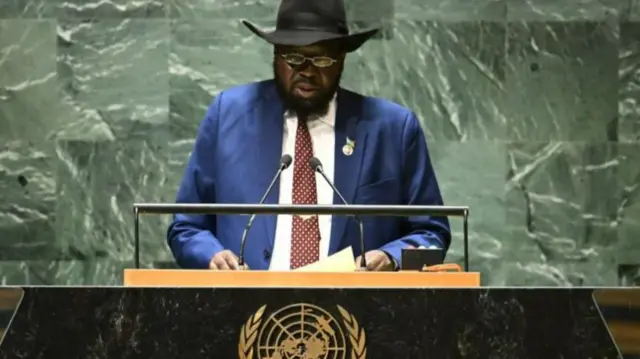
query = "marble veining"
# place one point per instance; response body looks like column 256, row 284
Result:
column 205, row 323
column 531, row 109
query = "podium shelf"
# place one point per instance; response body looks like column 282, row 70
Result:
column 272, row 279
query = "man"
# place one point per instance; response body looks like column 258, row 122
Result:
column 373, row 150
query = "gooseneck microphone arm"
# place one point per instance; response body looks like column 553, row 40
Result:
column 316, row 165
column 285, row 162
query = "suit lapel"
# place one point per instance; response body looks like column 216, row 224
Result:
column 269, row 121
column 347, row 167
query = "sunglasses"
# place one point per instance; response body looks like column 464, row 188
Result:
column 294, row 59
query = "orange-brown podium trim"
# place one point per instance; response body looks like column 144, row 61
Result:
column 269, row 279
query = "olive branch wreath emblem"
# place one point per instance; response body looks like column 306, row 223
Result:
column 249, row 334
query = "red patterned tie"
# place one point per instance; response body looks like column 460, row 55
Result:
column 305, row 238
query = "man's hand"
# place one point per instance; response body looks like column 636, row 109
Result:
column 377, row 260
column 225, row 260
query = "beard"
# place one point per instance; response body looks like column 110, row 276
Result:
column 318, row 105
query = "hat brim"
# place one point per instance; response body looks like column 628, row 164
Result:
column 308, row 37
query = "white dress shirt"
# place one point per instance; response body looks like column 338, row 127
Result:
column 323, row 140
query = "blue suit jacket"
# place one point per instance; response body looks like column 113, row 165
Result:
column 237, row 152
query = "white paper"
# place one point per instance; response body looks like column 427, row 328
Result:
column 339, row 262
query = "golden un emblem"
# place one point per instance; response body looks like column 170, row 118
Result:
column 302, row 331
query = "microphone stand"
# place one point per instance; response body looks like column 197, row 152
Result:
column 285, row 162
column 317, row 167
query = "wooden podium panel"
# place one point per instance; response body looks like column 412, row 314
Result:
column 269, row 279
column 9, row 300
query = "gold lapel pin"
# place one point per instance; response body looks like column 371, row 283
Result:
column 348, row 148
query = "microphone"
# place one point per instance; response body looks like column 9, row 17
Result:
column 316, row 165
column 285, row 162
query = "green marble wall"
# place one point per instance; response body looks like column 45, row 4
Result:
column 531, row 109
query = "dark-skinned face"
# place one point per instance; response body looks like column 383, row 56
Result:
column 305, row 87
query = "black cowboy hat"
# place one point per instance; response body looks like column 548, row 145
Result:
column 306, row 22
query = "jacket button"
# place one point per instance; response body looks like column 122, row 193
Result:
column 266, row 254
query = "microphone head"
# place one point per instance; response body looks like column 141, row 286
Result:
column 315, row 164
column 285, row 161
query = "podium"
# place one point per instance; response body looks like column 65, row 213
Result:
column 293, row 279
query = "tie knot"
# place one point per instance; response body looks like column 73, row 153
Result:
column 303, row 120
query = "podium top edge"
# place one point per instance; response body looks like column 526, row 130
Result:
column 291, row 272
column 297, row 279
column 348, row 210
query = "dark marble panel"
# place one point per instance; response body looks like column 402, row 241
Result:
column 562, row 81
column 28, row 97
column 103, row 272
column 553, row 10
column 565, row 210
column 205, row 323
column 450, row 73
column 472, row 174
column 26, row 9
column 27, row 208
column 114, row 73
column 100, row 9
column 629, row 73
column 98, row 182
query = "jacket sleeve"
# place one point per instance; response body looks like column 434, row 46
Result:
column 419, row 187
column 191, row 237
